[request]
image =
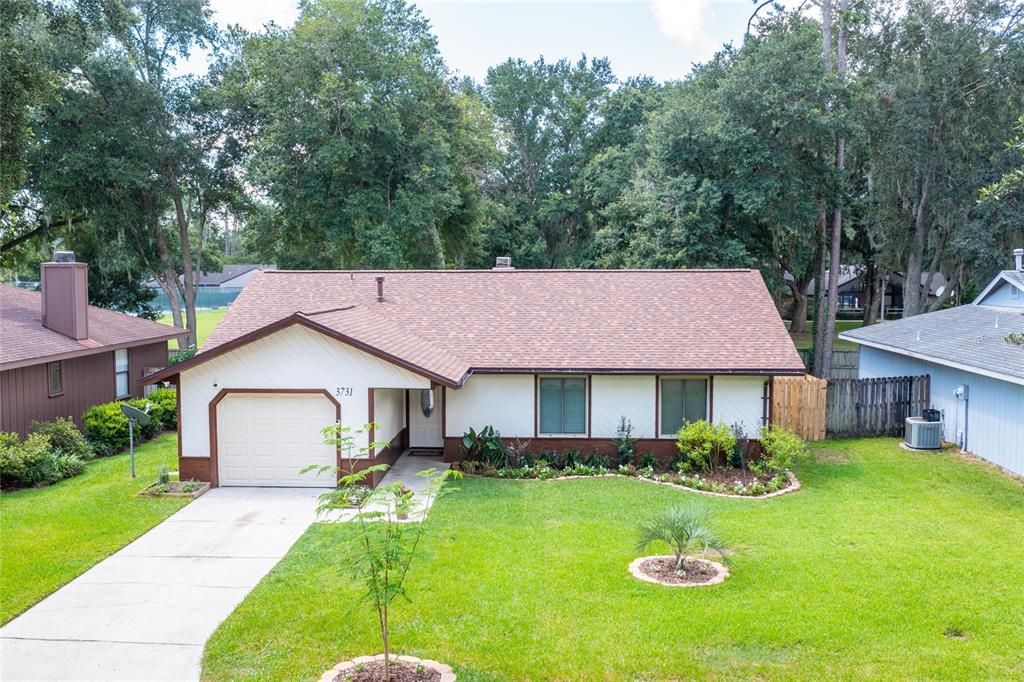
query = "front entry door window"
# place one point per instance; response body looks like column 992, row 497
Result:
column 425, row 418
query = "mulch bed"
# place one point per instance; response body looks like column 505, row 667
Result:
column 663, row 569
column 400, row 672
column 730, row 476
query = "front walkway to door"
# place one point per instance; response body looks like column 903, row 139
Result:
column 146, row 612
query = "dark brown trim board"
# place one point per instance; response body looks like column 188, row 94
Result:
column 711, row 399
column 223, row 393
column 657, row 406
column 444, row 412
column 536, row 405
column 590, row 401
column 369, row 419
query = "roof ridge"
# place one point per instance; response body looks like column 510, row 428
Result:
column 512, row 271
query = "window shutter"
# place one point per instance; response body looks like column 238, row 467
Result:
column 550, row 405
column 574, row 406
column 671, row 406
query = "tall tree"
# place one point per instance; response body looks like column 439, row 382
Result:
column 141, row 153
column 547, row 114
column 367, row 155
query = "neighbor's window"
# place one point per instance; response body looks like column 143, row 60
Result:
column 121, row 372
column 56, row 372
column 682, row 400
column 563, row 406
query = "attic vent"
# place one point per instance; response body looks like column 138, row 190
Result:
column 503, row 263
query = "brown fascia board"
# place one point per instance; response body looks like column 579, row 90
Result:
column 761, row 371
column 297, row 318
column 104, row 348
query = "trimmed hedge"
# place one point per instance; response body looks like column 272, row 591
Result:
column 34, row 461
column 65, row 436
column 106, row 427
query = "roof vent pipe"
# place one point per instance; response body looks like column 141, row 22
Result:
column 1018, row 256
column 380, row 289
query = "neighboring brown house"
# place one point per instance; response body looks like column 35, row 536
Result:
column 554, row 357
column 59, row 355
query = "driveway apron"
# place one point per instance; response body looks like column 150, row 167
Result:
column 145, row 612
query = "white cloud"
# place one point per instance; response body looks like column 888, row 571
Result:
column 684, row 22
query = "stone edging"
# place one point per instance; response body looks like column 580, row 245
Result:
column 794, row 484
column 445, row 670
column 634, row 569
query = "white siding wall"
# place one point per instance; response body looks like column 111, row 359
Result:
column 389, row 412
column 994, row 410
column 504, row 401
column 614, row 397
column 737, row 400
column 294, row 357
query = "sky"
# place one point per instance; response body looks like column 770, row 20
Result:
column 659, row 38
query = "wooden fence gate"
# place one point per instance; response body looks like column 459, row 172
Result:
column 799, row 404
column 875, row 407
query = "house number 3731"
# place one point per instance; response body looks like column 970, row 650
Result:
column 343, row 391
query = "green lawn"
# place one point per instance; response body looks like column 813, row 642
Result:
column 859, row 575
column 206, row 320
column 803, row 340
column 51, row 535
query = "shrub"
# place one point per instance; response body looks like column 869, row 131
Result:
column 147, row 431
column 162, row 474
column 781, row 447
column 705, row 444
column 12, row 467
column 181, row 356
column 647, row 461
column 165, row 403
column 595, row 460
column 625, row 444
column 485, row 446
column 106, row 427
column 683, row 529
column 39, row 461
column 67, row 464
column 65, row 437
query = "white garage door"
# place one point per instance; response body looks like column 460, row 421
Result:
column 267, row 439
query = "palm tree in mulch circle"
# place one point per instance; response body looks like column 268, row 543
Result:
column 685, row 529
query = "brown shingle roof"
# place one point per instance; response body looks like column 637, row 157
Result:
column 450, row 322
column 25, row 341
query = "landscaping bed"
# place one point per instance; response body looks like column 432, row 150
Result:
column 662, row 570
column 190, row 489
column 403, row 669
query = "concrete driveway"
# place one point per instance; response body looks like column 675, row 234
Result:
column 145, row 612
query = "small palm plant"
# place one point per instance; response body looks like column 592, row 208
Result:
column 684, row 529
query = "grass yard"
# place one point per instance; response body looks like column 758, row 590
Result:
column 887, row 565
column 804, row 339
column 53, row 534
column 206, row 320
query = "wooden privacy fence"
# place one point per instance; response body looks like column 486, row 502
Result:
column 845, row 363
column 799, row 404
column 875, row 407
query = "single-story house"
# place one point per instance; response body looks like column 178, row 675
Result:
column 553, row 357
column 977, row 376
column 59, row 355
column 235, row 275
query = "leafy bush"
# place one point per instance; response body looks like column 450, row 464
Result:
column 67, row 464
column 647, row 461
column 485, row 446
column 181, row 356
column 162, row 474
column 595, row 460
column 781, row 447
column 12, row 467
column 34, row 461
column 625, row 444
column 155, row 411
column 65, row 437
column 706, row 445
column 106, row 427
column 165, row 405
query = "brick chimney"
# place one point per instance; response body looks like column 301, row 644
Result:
column 65, row 288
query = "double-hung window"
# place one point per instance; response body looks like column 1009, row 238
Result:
column 55, row 372
column 682, row 401
column 121, row 373
column 563, row 406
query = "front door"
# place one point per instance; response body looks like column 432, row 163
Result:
column 425, row 418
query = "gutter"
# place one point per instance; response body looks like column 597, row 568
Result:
column 936, row 361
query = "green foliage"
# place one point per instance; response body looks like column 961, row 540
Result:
column 625, row 444
column 182, row 356
column 485, row 446
column 648, row 460
column 782, row 449
column 163, row 474
column 705, row 445
column 685, row 528
column 106, row 428
column 385, row 543
column 64, row 436
column 34, row 461
column 165, row 407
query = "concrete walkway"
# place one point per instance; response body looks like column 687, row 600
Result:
column 405, row 470
column 145, row 612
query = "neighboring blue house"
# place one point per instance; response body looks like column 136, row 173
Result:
column 977, row 377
